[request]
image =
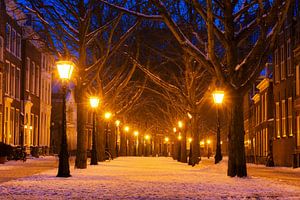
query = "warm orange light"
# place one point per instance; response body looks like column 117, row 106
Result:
column 166, row 139
column 221, row 142
column 218, row 96
column 94, row 102
column 190, row 140
column 147, row 137
column 174, row 129
column 65, row 69
column 202, row 143
column 208, row 141
column 189, row 115
column 117, row 123
column 107, row 115
column 136, row 133
column 179, row 137
column 126, row 128
column 180, row 124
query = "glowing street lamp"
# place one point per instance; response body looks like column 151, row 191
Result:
column 107, row 116
column 94, row 102
column 117, row 123
column 190, row 140
column 174, row 130
column 136, row 134
column 147, row 137
column 179, row 137
column 218, row 96
column 126, row 128
column 180, row 124
column 166, row 139
column 65, row 69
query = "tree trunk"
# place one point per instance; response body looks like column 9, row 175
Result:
column 195, row 142
column 81, row 153
column 236, row 148
column 101, row 141
column 183, row 157
column 122, row 143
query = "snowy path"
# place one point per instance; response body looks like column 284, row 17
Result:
column 146, row 178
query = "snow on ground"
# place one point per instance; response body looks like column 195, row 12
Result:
column 146, row 178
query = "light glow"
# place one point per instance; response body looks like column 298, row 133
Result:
column 126, row 128
column 190, row 140
column 174, row 130
column 135, row 133
column 218, row 96
column 180, row 124
column 117, row 123
column 166, row 139
column 179, row 137
column 147, row 137
column 107, row 115
column 208, row 141
column 65, row 69
column 94, row 102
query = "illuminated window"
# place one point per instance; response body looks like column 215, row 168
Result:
column 290, row 116
column 278, row 119
column 283, row 119
column 12, row 80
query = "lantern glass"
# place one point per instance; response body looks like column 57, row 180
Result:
column 218, row 96
column 65, row 69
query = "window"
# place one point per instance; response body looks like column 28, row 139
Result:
column 12, row 80
column 8, row 35
column 283, row 73
column 18, row 46
column 18, row 76
column 298, row 80
column 32, row 78
column 17, row 125
column 1, row 91
column 7, row 77
column 283, row 115
column 276, row 60
column 37, row 79
column 27, row 73
column 288, row 55
column 12, row 126
column 278, row 119
column 1, row 48
column 266, row 107
column 298, row 130
column 290, row 116
column 13, row 41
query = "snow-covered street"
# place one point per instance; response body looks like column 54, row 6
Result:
column 148, row 178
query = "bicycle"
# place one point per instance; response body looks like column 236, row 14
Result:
column 108, row 156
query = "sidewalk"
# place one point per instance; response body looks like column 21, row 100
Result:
column 12, row 170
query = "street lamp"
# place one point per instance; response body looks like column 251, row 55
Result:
column 94, row 102
column 65, row 69
column 180, row 124
column 107, row 116
column 117, row 123
column 136, row 134
column 218, row 96
column 190, row 153
column 126, row 129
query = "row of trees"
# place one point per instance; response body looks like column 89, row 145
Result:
column 225, row 42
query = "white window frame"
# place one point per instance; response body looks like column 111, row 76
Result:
column 283, row 117
column 282, row 64
column 12, row 80
column 27, row 72
column 278, row 125
column 7, row 79
column 290, row 116
column 18, row 90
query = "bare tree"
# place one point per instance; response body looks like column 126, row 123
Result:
column 73, row 29
column 229, row 25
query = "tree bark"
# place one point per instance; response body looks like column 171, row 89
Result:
column 122, row 143
column 236, row 148
column 195, row 142
column 81, row 153
column 183, row 157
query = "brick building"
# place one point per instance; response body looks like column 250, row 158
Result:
column 25, row 81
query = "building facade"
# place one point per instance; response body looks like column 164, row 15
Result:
column 25, row 101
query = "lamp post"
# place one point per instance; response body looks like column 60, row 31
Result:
column 147, row 139
column 94, row 102
column 117, row 123
column 167, row 143
column 191, row 152
column 107, row 117
column 208, row 150
column 218, row 96
column 136, row 134
column 126, row 129
column 65, row 69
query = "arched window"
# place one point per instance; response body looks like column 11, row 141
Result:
column 1, row 48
